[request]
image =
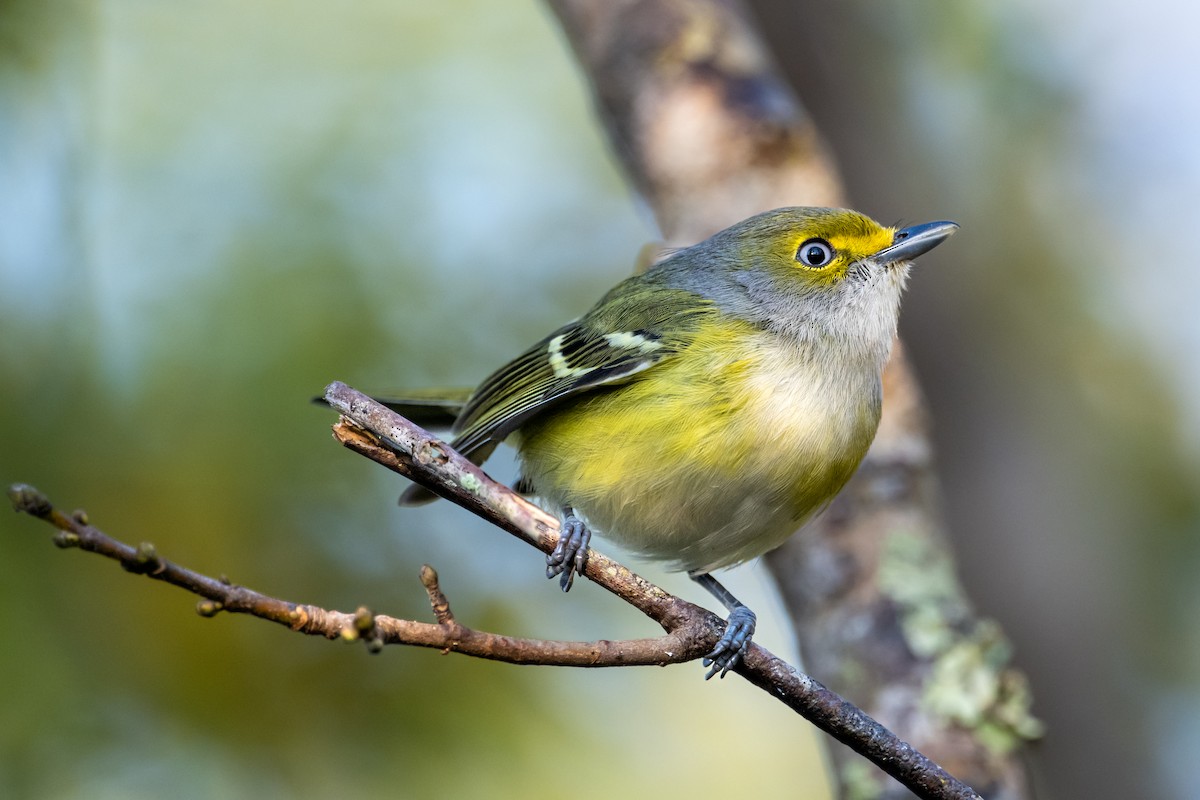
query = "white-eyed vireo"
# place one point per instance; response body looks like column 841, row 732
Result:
column 703, row 410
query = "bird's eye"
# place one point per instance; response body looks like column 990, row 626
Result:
column 814, row 253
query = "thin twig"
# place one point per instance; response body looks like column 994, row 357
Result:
column 220, row 594
column 380, row 434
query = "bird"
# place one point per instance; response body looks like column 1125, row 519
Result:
column 703, row 410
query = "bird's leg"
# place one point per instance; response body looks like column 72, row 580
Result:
column 570, row 554
column 738, row 629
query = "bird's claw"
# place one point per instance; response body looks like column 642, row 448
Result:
column 733, row 644
column 570, row 554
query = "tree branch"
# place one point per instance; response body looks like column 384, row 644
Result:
column 373, row 430
column 447, row 634
column 383, row 436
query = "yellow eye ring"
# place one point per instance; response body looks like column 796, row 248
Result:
column 814, row 253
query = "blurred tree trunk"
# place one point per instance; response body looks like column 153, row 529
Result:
column 709, row 133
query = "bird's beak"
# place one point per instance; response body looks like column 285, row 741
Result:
column 915, row 240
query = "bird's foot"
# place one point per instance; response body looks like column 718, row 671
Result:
column 570, row 554
column 733, row 644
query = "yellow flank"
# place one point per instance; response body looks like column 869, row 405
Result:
column 718, row 458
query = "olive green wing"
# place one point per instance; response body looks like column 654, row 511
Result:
column 636, row 326
column 572, row 360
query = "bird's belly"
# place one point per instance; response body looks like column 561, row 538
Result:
column 702, row 473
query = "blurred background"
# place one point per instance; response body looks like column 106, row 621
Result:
column 209, row 211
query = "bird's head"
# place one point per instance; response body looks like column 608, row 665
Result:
column 823, row 272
